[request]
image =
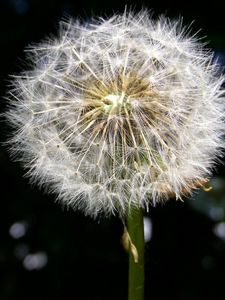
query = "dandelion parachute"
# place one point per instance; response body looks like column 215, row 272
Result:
column 118, row 113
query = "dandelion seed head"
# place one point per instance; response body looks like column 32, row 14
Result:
column 118, row 113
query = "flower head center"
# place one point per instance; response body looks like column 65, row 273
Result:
column 113, row 103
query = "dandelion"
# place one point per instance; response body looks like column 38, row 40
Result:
column 118, row 113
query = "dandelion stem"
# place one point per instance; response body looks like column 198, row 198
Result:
column 136, row 255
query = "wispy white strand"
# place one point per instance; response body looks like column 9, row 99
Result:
column 118, row 112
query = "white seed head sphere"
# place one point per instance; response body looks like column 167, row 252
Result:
column 118, row 113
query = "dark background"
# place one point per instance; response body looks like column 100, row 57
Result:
column 50, row 253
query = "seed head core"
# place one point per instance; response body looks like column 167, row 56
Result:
column 113, row 103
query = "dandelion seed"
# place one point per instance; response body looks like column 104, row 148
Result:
column 121, row 112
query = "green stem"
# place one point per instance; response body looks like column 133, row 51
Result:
column 136, row 269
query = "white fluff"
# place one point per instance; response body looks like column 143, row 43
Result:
column 118, row 112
